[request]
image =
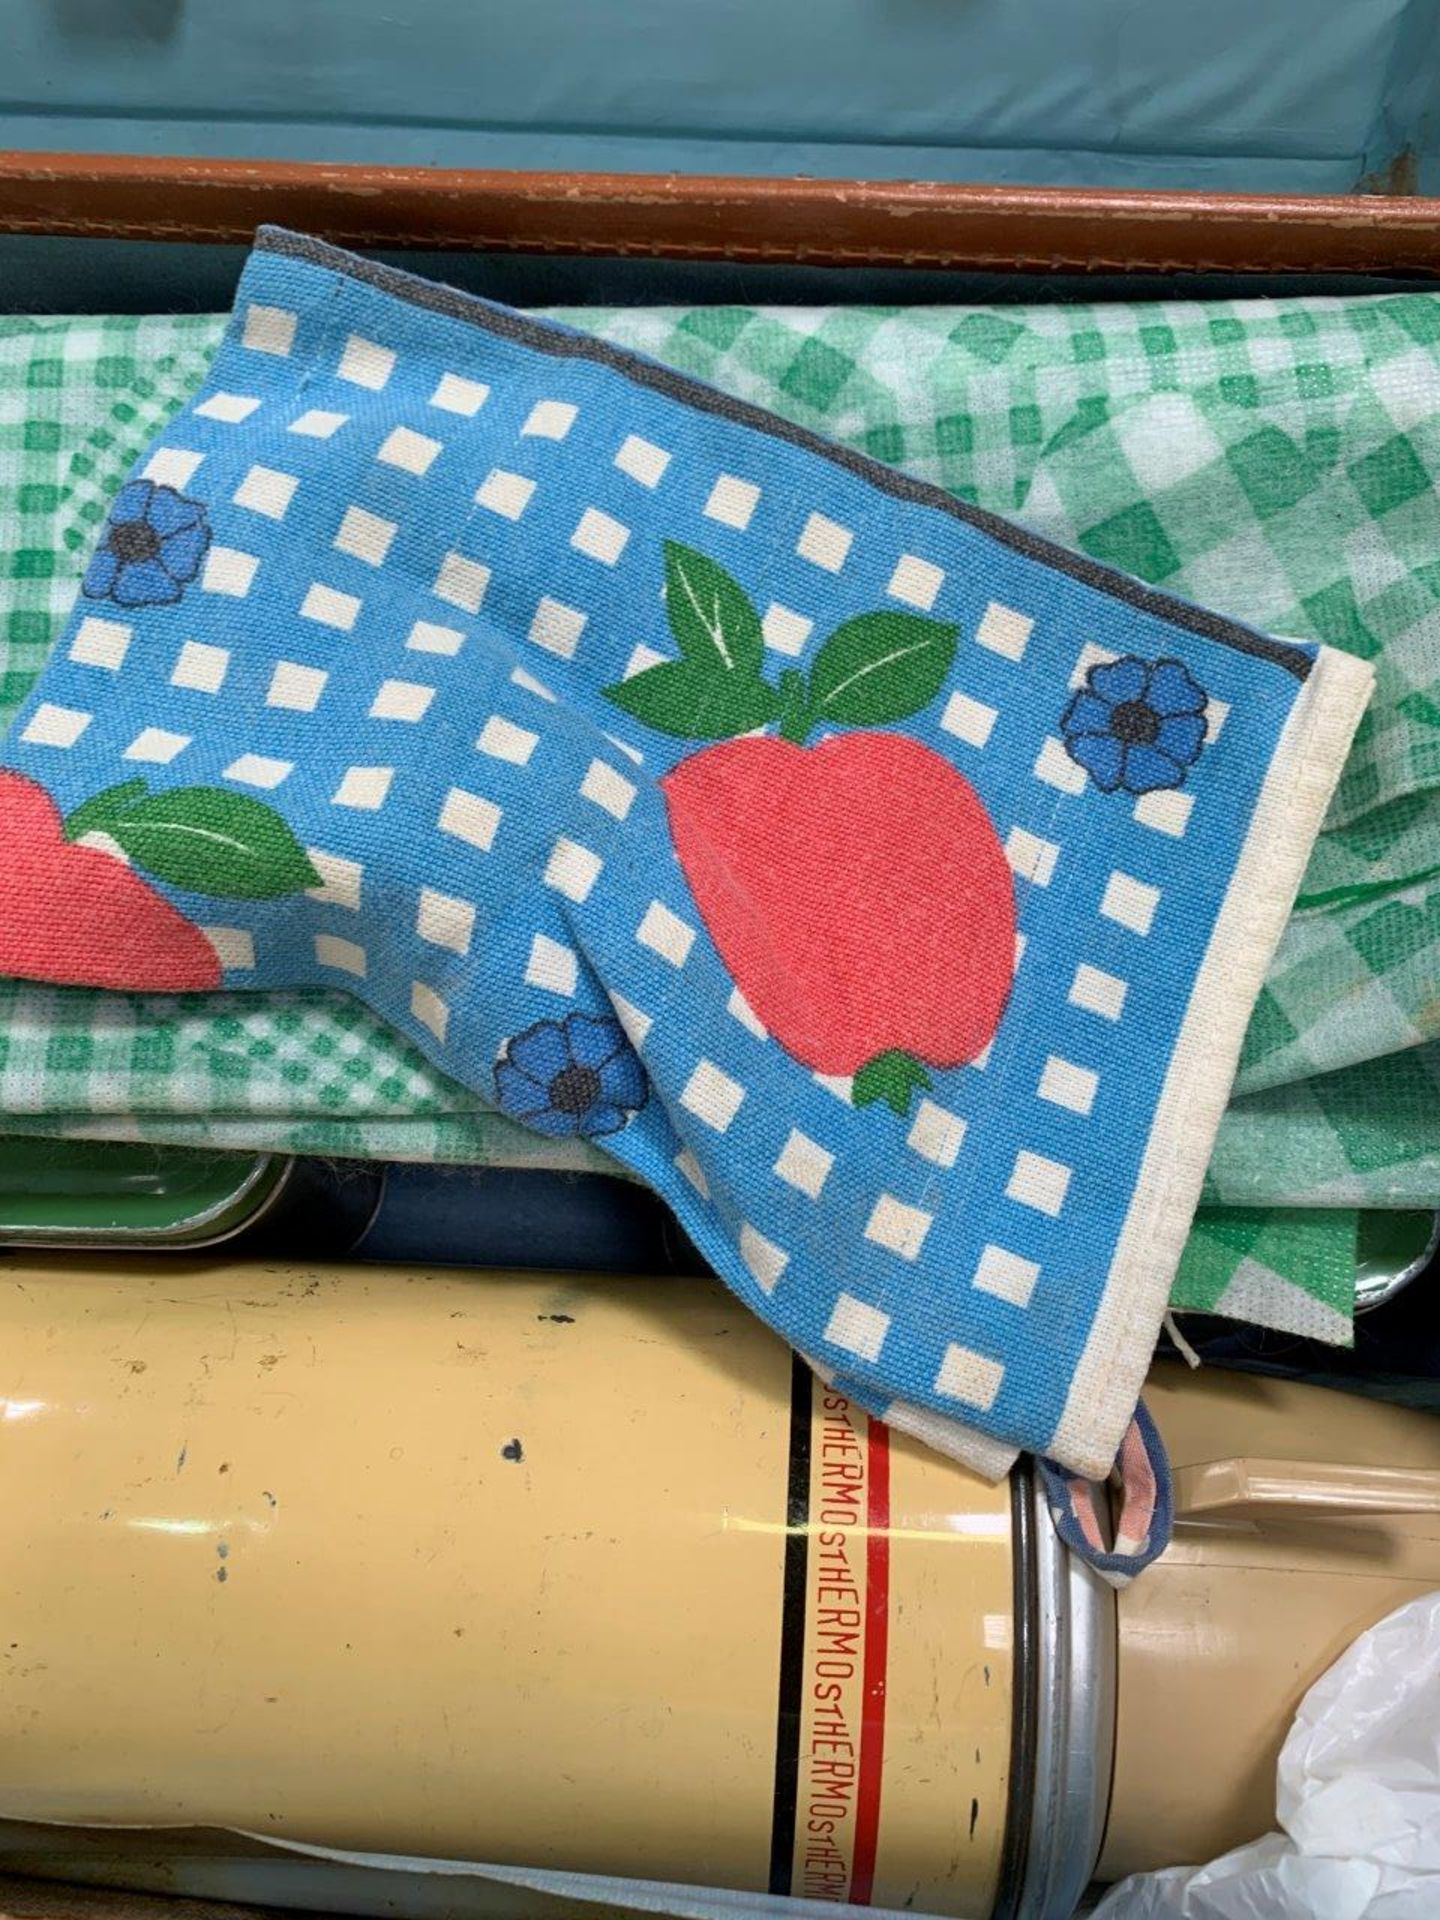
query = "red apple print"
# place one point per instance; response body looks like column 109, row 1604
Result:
column 858, row 895
column 78, row 916
column 856, row 891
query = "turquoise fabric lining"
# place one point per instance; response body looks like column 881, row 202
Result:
column 1308, row 96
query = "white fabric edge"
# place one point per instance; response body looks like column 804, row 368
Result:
column 990, row 1458
column 1294, row 796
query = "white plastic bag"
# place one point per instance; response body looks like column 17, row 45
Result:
column 1357, row 1794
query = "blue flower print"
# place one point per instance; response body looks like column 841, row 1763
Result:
column 1136, row 724
column 154, row 542
column 577, row 1075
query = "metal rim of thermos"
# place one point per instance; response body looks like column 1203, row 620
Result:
column 1062, row 1744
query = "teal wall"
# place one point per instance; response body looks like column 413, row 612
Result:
column 1305, row 95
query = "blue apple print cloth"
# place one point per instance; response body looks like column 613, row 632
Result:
column 886, row 887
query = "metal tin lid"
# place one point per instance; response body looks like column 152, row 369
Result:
column 94, row 1193
column 1391, row 1250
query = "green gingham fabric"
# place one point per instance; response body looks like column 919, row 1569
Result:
column 1274, row 460
column 71, row 390
column 1286, row 1267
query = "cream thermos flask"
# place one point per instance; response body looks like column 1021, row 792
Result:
column 586, row 1573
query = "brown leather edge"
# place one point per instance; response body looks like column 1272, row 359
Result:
column 698, row 217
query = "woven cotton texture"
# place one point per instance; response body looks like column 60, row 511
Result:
column 982, row 402
column 887, row 890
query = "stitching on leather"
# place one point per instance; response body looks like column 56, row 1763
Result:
column 78, row 227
